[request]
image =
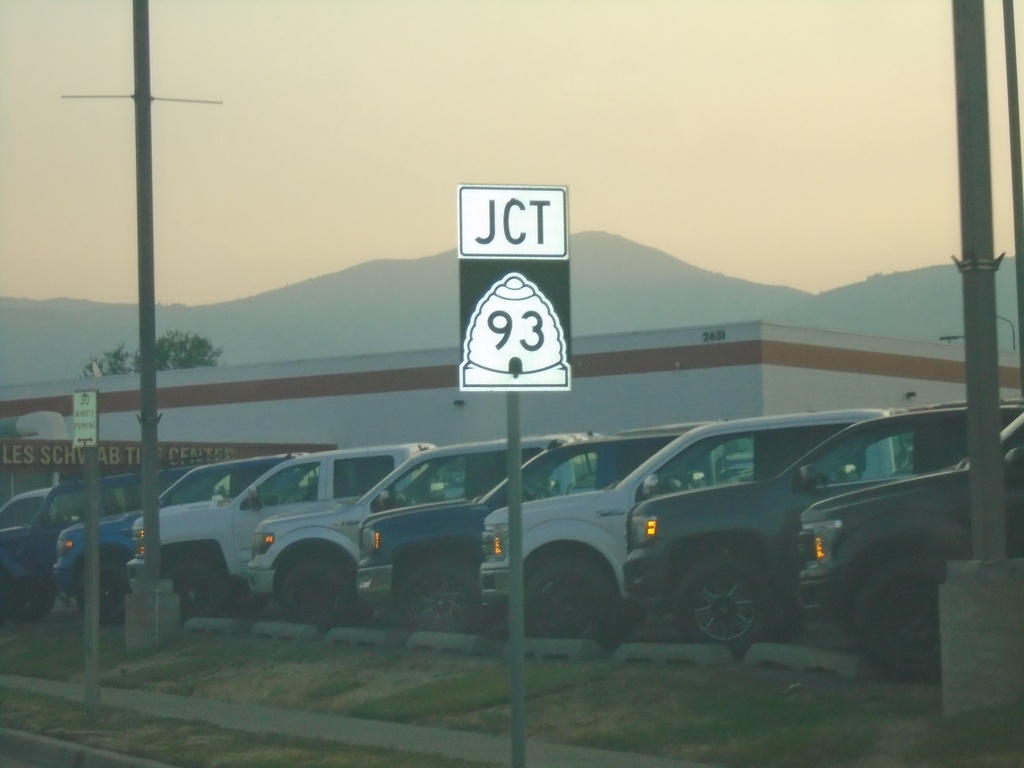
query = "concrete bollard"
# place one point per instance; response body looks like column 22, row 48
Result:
column 981, row 620
column 151, row 617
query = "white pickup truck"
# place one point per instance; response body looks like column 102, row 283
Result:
column 574, row 546
column 309, row 562
column 205, row 546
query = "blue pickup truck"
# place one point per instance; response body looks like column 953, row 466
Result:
column 422, row 563
column 28, row 543
column 206, row 484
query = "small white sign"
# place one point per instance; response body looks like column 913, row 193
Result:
column 85, row 417
column 497, row 222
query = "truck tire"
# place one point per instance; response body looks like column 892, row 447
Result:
column 724, row 601
column 571, row 598
column 29, row 601
column 199, row 587
column 896, row 620
column 440, row 597
column 320, row 592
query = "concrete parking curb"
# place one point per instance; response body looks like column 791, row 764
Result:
column 367, row 638
column 552, row 648
column 803, row 659
column 797, row 657
column 210, row 626
column 280, row 630
column 446, row 642
column 675, row 653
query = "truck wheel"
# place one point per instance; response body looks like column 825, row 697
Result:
column 896, row 618
column 198, row 586
column 29, row 601
column 440, row 597
column 571, row 598
column 320, row 592
column 723, row 601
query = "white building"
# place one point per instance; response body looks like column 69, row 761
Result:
column 619, row 382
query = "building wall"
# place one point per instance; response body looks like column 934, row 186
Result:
column 620, row 381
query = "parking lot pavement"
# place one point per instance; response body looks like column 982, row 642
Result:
column 464, row 745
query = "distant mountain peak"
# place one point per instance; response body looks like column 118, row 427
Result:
column 393, row 305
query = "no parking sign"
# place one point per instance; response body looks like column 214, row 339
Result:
column 514, row 308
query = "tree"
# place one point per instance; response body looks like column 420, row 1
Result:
column 175, row 350
column 113, row 362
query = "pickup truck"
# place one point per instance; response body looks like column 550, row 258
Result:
column 205, row 545
column 873, row 559
column 214, row 483
column 574, row 546
column 720, row 561
column 308, row 562
column 422, row 563
column 28, row 543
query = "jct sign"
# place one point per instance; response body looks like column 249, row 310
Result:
column 514, row 288
column 512, row 222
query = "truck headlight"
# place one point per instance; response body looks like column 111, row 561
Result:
column 643, row 530
column 495, row 543
column 369, row 541
column 64, row 545
column 261, row 542
column 818, row 543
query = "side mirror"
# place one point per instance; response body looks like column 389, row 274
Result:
column 1013, row 463
column 808, row 479
column 649, row 487
column 380, row 502
column 252, row 499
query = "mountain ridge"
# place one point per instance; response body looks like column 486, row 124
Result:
column 396, row 305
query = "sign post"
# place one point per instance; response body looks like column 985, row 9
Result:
column 515, row 321
column 86, row 435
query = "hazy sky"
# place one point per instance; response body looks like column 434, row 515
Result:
column 810, row 143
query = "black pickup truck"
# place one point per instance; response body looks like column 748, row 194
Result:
column 723, row 561
column 873, row 560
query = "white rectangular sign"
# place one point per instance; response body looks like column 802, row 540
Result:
column 85, row 417
column 498, row 222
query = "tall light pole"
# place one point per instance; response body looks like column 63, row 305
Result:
column 981, row 601
column 978, row 267
column 147, row 295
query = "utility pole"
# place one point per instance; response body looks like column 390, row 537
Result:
column 147, row 293
column 981, row 602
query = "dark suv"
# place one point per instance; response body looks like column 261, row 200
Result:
column 723, row 562
column 873, row 559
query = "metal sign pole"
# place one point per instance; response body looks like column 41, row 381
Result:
column 516, row 630
column 86, row 428
column 514, row 314
column 92, row 581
